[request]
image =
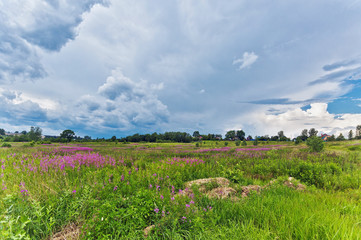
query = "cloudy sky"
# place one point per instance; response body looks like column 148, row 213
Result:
column 104, row 68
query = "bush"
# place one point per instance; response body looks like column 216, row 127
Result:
column 6, row 145
column 315, row 144
column 244, row 143
column 238, row 143
column 225, row 143
column 298, row 140
column 255, row 142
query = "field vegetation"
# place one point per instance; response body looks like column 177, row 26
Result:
column 116, row 190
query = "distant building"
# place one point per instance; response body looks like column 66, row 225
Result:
column 324, row 137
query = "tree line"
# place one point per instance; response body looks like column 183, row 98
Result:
column 35, row 134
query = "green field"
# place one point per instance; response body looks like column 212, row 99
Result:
column 115, row 191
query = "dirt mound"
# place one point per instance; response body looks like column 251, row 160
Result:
column 221, row 192
column 206, row 183
column 293, row 183
column 246, row 190
column 70, row 232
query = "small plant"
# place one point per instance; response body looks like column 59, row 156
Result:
column 298, row 140
column 244, row 143
column 197, row 144
column 6, row 145
column 255, row 142
column 225, row 143
column 315, row 144
column 238, row 143
column 211, row 185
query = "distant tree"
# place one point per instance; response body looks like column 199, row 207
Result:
column 67, row 135
column 230, row 135
column 196, row 134
column 340, row 137
column 24, row 132
column 350, row 135
column 304, row 135
column 274, row 138
column 312, row 132
column 281, row 134
column 34, row 134
column 2, row 131
column 87, row 138
column 113, row 138
column 240, row 134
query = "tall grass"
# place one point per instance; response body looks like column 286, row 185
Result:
column 115, row 191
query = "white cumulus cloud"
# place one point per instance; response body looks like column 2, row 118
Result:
column 247, row 60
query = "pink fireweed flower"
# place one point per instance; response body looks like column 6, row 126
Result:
column 150, row 185
column 191, row 202
column 156, row 210
column 172, row 198
column 74, row 191
column 188, row 206
column 157, row 187
column 161, row 197
column 154, row 174
column 115, row 188
column 122, row 178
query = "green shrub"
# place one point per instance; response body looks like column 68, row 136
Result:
column 225, row 143
column 298, row 140
column 315, row 144
column 238, row 143
column 244, row 143
column 6, row 145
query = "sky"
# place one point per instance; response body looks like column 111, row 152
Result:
column 104, row 68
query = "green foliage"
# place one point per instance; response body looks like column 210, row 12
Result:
column 68, row 135
column 226, row 144
column 298, row 140
column 34, row 134
column 244, row 143
column 238, row 143
column 142, row 188
column 315, row 144
column 6, row 145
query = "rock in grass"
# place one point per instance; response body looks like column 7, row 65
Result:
column 222, row 193
column 204, row 182
column 147, row 230
column 70, row 232
column 246, row 190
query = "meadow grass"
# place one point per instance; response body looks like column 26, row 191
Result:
column 115, row 191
